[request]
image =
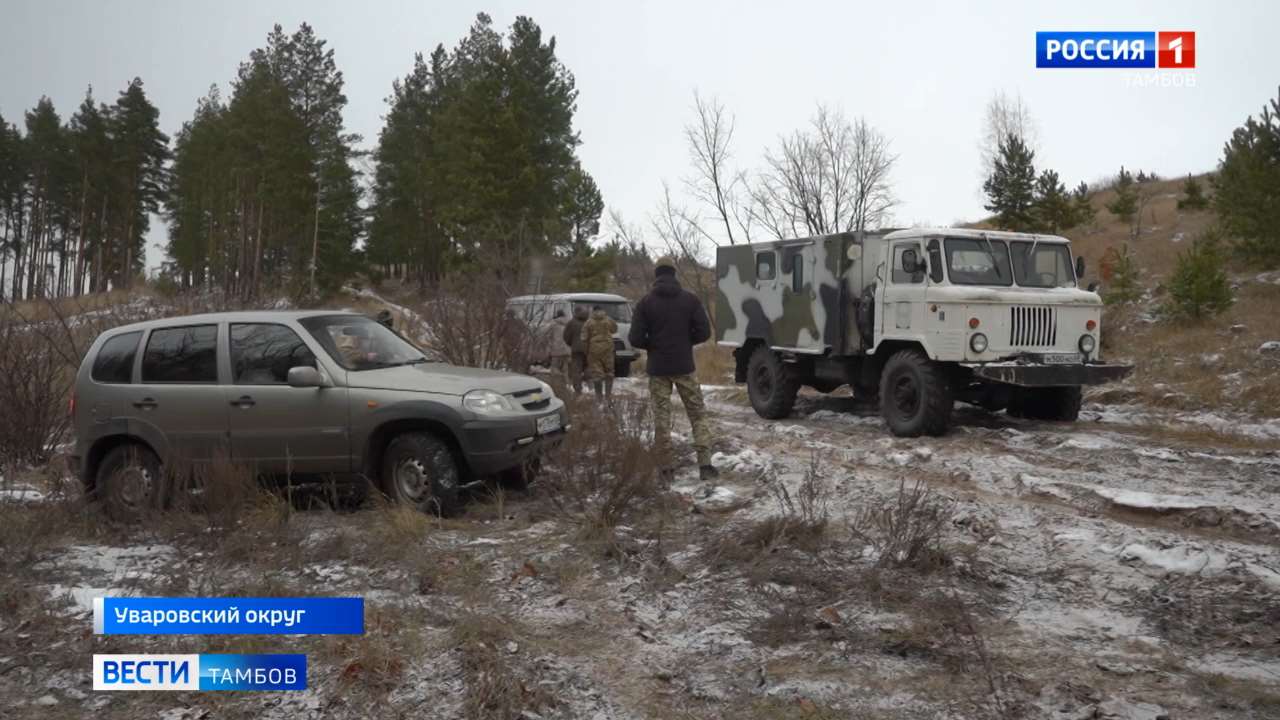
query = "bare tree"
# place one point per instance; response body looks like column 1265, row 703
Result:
column 713, row 182
column 832, row 177
column 1005, row 116
column 686, row 242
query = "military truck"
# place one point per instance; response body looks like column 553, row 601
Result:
column 920, row 318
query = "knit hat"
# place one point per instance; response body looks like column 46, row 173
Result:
column 665, row 265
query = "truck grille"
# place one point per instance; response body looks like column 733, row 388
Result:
column 1033, row 326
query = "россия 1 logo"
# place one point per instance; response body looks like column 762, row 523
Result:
column 1170, row 50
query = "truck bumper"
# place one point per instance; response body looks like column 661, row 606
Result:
column 1042, row 375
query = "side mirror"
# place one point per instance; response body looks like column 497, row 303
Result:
column 305, row 377
column 1079, row 266
column 910, row 263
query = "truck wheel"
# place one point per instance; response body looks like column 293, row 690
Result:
column 771, row 384
column 1047, row 403
column 129, row 483
column 419, row 469
column 915, row 397
column 622, row 368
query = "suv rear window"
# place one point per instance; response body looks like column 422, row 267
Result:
column 182, row 355
column 114, row 363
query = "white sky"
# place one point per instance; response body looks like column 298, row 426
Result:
column 920, row 72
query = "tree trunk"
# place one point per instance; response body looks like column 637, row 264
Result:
column 315, row 241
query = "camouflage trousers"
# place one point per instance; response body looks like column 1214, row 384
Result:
column 691, row 395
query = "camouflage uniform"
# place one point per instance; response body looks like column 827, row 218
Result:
column 597, row 336
column 691, row 395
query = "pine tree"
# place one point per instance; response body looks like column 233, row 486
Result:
column 140, row 153
column 1195, row 199
column 1125, row 203
column 1119, row 268
column 1053, row 210
column 1199, row 286
column 1011, row 187
column 1082, row 209
column 1247, row 186
column 90, row 137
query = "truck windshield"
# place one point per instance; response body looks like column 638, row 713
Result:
column 619, row 311
column 1042, row 264
column 973, row 261
column 359, row 343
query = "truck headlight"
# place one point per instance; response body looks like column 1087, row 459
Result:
column 1087, row 344
column 485, row 402
column 978, row 343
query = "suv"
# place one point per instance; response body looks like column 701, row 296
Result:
column 299, row 395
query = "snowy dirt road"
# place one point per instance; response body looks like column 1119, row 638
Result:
column 1124, row 566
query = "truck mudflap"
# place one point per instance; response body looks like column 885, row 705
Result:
column 1047, row 375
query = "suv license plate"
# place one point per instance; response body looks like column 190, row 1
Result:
column 1061, row 358
column 548, row 424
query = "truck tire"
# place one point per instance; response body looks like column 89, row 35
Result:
column 915, row 397
column 419, row 469
column 771, row 384
column 1047, row 403
column 128, row 483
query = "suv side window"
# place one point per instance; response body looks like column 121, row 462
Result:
column 181, row 355
column 263, row 353
column 114, row 363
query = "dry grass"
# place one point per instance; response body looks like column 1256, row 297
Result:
column 908, row 530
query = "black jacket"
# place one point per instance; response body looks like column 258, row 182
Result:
column 667, row 323
column 573, row 336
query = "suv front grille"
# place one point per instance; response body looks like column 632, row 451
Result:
column 1033, row 326
column 532, row 400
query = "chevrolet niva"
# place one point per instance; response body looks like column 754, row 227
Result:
column 301, row 395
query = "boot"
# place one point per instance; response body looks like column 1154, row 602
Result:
column 595, row 385
column 608, row 391
column 708, row 473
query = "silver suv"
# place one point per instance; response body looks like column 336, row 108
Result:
column 299, row 394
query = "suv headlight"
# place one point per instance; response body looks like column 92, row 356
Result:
column 978, row 343
column 486, row 402
column 547, row 392
column 1087, row 344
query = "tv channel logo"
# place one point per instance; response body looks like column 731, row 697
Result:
column 199, row 672
column 1169, row 50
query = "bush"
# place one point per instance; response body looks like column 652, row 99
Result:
column 1199, row 287
column 908, row 531
column 1120, row 271
column 465, row 322
column 1125, row 203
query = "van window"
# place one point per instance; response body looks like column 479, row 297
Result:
column 263, row 353
column 114, row 363
column 619, row 311
column 766, row 266
column 900, row 276
column 797, row 273
column 182, row 355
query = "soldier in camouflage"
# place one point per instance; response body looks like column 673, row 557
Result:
column 667, row 323
column 597, row 338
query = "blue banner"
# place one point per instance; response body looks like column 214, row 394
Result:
column 228, row 616
column 1087, row 49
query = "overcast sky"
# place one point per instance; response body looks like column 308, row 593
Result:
column 920, row 72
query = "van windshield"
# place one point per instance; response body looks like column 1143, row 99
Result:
column 619, row 311
column 1043, row 264
column 359, row 343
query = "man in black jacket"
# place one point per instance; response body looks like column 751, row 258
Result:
column 667, row 323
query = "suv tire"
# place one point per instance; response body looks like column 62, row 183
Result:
column 419, row 469
column 128, row 482
column 915, row 397
column 771, row 384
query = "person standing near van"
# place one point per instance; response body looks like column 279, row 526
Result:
column 597, row 337
column 561, row 352
column 577, row 350
column 667, row 323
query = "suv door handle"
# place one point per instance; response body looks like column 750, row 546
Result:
column 146, row 404
column 244, row 402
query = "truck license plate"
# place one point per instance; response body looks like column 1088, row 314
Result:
column 1061, row 358
column 548, row 424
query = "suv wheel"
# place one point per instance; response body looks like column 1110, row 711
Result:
column 419, row 469
column 915, row 397
column 771, row 384
column 128, row 482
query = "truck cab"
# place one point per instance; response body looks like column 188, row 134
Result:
column 919, row 317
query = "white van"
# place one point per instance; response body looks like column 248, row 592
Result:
column 539, row 311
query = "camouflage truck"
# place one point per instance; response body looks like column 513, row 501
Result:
column 919, row 318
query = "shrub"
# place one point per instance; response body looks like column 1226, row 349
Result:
column 464, row 321
column 1199, row 287
column 1120, row 270
column 1194, row 196
column 908, row 531
column 1125, row 203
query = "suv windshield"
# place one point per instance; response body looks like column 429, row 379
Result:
column 978, row 262
column 359, row 343
column 1042, row 264
column 619, row 311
